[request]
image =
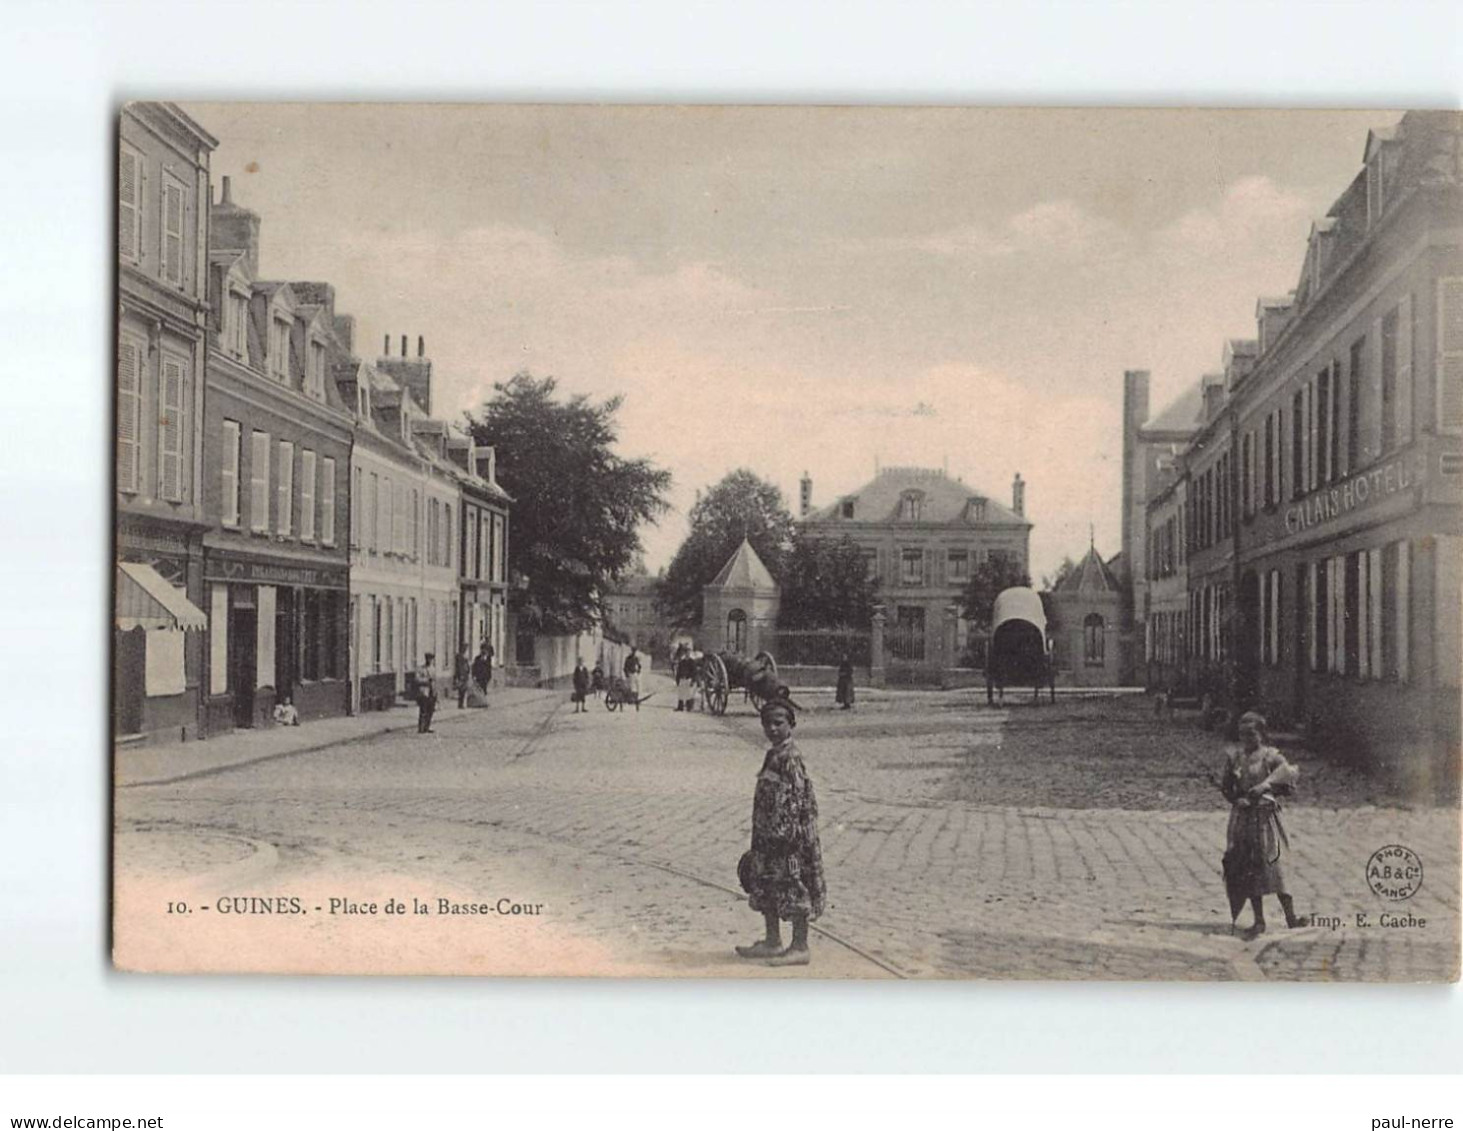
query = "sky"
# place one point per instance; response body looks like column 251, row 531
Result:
column 806, row 289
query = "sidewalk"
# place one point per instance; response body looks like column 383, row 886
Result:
column 160, row 765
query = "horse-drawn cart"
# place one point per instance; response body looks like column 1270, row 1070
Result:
column 725, row 672
column 1019, row 652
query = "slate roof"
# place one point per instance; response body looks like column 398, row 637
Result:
column 945, row 500
column 1185, row 414
column 1092, row 575
column 744, row 570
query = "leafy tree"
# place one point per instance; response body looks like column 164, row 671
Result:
column 740, row 506
column 987, row 581
column 1054, row 582
column 577, row 504
column 826, row 584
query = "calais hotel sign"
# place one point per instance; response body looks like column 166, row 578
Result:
column 1358, row 492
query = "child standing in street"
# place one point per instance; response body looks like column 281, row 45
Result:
column 783, row 872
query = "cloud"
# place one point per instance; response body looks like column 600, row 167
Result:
column 1252, row 213
column 1054, row 227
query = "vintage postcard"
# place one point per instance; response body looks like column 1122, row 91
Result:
column 788, row 542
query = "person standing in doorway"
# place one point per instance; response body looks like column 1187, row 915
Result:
column 632, row 674
column 427, row 694
column 461, row 675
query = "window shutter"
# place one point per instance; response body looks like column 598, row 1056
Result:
column 307, row 494
column 172, row 231
column 1374, row 610
column 927, row 573
column 357, row 491
column 327, row 502
column 1403, row 406
column 1403, row 596
column 229, row 473
column 129, row 412
column 170, row 430
column 259, row 482
column 284, row 517
column 1373, row 440
column 129, row 185
column 1311, row 614
column 1450, row 355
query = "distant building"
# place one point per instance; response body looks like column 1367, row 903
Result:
column 739, row 605
column 162, row 280
column 921, row 534
column 1089, row 633
column 631, row 613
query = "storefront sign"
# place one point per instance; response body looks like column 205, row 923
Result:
column 243, row 571
column 1356, row 493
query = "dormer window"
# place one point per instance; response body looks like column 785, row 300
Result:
column 279, row 349
column 237, row 330
column 975, row 510
column 363, row 401
column 315, row 371
column 845, row 509
column 911, row 506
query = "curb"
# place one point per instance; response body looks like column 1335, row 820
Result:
column 211, row 771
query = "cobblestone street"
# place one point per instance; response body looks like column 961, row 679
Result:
column 952, row 837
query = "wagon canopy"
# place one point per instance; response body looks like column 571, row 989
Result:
column 1019, row 604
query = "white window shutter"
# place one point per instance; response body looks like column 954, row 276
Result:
column 170, row 430
column 259, row 482
column 284, row 517
column 129, row 192
column 1312, row 614
column 1403, row 612
column 172, row 225
column 129, row 413
column 1403, row 407
column 229, row 473
column 327, row 502
column 1450, row 355
column 307, row 494
column 1374, row 610
column 1372, row 439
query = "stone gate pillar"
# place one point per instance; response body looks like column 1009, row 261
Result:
column 952, row 655
column 876, row 648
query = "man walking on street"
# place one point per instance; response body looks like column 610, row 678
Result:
column 426, row 694
column 581, row 686
column 632, row 674
column 482, row 669
column 461, row 673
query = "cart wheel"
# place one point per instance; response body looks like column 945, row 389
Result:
column 610, row 703
column 718, row 701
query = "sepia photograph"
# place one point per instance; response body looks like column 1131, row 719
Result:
column 787, row 542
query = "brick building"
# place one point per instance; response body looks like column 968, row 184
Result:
column 162, row 255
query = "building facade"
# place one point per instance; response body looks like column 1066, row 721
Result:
column 276, row 488
column 162, row 274
column 1089, row 634
column 922, row 533
column 483, row 549
column 740, row 605
column 1351, row 425
column 1324, row 487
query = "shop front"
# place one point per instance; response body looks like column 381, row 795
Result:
column 277, row 631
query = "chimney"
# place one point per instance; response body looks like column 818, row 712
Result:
column 233, row 228
column 1135, row 482
column 805, row 495
column 1018, row 495
column 403, row 345
column 386, row 346
column 412, row 373
column 421, row 346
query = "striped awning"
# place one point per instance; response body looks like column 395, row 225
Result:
column 146, row 598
